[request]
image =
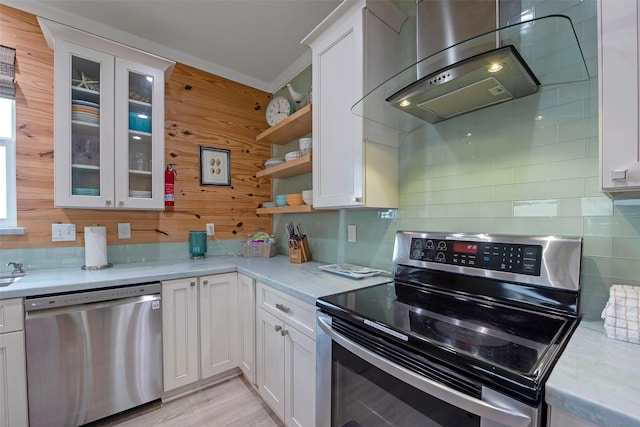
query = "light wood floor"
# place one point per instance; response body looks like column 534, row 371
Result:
column 232, row 403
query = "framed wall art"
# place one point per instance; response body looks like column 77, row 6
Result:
column 215, row 166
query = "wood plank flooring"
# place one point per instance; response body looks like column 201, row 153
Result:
column 231, row 403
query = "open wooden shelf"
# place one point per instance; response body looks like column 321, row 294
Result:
column 294, row 126
column 287, row 169
column 285, row 209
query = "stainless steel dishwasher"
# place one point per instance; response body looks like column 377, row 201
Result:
column 92, row 354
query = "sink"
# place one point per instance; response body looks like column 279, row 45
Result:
column 7, row 280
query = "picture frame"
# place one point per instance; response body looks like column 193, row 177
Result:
column 215, row 166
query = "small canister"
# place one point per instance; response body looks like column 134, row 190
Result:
column 305, row 146
column 197, row 244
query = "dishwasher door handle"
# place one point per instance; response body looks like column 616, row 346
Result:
column 44, row 312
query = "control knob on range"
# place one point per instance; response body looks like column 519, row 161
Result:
column 440, row 256
column 416, row 254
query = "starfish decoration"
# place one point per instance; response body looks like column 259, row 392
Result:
column 84, row 82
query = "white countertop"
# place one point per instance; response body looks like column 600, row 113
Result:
column 597, row 378
column 303, row 281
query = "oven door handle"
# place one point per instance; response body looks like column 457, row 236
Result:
column 433, row 388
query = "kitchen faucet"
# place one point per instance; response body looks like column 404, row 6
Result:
column 17, row 267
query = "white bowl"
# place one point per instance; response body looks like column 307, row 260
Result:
column 273, row 162
column 307, row 200
column 307, row 194
column 292, row 155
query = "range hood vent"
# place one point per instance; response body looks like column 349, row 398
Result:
column 543, row 51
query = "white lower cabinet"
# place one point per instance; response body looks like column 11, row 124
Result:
column 219, row 327
column 13, row 373
column 199, row 328
column 559, row 418
column 247, row 314
column 285, row 349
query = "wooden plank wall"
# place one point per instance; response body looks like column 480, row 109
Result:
column 200, row 109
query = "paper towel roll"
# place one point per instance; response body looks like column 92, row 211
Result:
column 95, row 247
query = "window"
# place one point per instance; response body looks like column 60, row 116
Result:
column 8, row 214
column 7, row 163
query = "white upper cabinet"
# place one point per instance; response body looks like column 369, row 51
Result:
column 619, row 97
column 355, row 161
column 109, row 122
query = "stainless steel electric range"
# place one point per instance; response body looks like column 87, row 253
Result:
column 465, row 335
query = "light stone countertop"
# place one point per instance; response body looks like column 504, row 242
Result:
column 303, row 281
column 597, row 378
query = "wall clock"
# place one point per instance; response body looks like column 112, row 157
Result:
column 278, row 109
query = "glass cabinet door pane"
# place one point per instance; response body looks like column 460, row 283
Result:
column 85, row 127
column 140, row 135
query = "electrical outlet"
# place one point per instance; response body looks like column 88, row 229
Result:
column 210, row 229
column 124, row 230
column 63, row 232
column 351, row 233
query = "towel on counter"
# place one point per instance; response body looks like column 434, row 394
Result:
column 621, row 314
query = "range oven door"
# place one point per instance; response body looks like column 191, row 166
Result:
column 399, row 389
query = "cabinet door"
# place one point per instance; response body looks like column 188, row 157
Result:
column 337, row 134
column 619, row 96
column 218, row 323
column 300, row 378
column 247, row 310
column 84, row 105
column 179, row 332
column 560, row 418
column 139, row 136
column 13, row 380
column 270, row 354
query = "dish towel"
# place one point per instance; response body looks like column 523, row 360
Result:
column 621, row 314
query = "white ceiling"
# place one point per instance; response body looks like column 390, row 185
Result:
column 255, row 42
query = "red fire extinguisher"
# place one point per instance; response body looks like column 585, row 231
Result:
column 169, row 179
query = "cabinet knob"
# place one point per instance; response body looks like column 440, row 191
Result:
column 357, row 199
column 619, row 175
column 284, row 332
column 121, row 203
column 107, row 202
column 283, row 308
column 205, row 282
column 278, row 328
column 192, row 283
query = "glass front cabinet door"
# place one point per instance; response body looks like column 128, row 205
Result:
column 109, row 130
column 139, row 134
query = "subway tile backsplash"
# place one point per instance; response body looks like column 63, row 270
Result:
column 526, row 167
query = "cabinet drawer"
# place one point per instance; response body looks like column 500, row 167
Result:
column 11, row 315
column 287, row 308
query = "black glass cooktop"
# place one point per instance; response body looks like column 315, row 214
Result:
column 485, row 334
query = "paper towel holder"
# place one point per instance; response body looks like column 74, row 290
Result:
column 96, row 267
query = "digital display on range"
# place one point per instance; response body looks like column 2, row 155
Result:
column 511, row 257
column 465, row 248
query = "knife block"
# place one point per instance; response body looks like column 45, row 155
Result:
column 302, row 253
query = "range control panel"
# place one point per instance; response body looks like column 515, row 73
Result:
column 509, row 257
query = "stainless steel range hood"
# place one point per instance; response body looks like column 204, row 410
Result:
column 496, row 66
column 480, row 81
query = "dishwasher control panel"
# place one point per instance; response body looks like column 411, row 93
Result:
column 90, row 296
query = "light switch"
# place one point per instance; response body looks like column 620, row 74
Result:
column 124, row 230
column 351, row 233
